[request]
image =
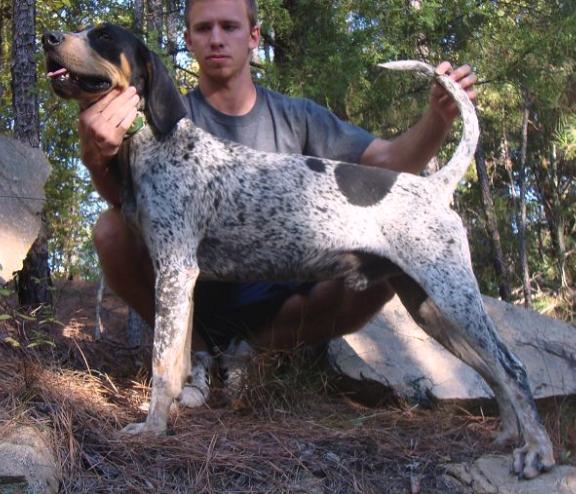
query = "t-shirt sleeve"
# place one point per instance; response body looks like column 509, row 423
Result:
column 329, row 137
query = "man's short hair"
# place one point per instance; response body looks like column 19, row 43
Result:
column 251, row 5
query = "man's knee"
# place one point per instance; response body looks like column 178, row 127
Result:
column 330, row 304
column 109, row 231
column 335, row 295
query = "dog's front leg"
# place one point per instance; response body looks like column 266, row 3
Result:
column 172, row 341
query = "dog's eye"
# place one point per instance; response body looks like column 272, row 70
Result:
column 103, row 35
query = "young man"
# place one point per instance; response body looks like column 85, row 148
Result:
column 221, row 35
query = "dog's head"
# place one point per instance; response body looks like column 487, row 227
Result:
column 87, row 65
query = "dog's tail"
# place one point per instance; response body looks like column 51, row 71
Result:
column 449, row 175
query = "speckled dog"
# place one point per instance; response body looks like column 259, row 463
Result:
column 215, row 209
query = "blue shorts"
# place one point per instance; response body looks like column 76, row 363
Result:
column 224, row 311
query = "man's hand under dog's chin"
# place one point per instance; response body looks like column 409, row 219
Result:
column 101, row 128
column 104, row 123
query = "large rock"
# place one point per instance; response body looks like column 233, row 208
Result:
column 490, row 474
column 23, row 173
column 26, row 460
column 395, row 352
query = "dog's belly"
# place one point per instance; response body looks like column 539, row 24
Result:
column 286, row 234
column 252, row 261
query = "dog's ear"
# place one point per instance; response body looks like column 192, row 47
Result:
column 163, row 104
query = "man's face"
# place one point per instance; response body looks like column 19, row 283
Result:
column 220, row 37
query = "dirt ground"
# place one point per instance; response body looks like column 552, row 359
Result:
column 297, row 431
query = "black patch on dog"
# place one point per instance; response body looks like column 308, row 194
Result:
column 363, row 185
column 316, row 165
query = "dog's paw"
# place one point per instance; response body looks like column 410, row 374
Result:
column 532, row 460
column 143, row 428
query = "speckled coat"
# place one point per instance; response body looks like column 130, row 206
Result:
column 215, row 209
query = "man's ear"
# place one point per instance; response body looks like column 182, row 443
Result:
column 254, row 37
column 163, row 104
column 188, row 40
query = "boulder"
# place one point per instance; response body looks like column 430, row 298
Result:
column 23, row 173
column 490, row 474
column 27, row 461
column 393, row 351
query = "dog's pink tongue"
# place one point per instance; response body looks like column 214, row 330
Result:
column 57, row 73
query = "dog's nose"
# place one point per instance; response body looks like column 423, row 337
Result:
column 50, row 39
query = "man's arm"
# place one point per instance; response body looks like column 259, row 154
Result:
column 101, row 128
column 411, row 151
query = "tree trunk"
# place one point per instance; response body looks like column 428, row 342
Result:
column 5, row 35
column 34, row 280
column 283, row 44
column 492, row 225
column 139, row 17
column 559, row 224
column 549, row 186
column 5, row 20
column 522, row 209
column 421, row 41
column 172, row 18
column 508, row 165
column 99, row 327
column 423, row 48
column 154, row 21
column 24, row 100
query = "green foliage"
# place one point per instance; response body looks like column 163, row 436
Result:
column 565, row 136
column 41, row 315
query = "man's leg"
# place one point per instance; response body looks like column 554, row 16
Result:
column 127, row 266
column 125, row 262
column 327, row 311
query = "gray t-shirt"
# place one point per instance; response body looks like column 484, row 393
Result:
column 282, row 124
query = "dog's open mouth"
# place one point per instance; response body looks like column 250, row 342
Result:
column 61, row 76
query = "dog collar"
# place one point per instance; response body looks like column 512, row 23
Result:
column 138, row 124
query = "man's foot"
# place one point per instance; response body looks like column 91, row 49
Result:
column 197, row 386
column 235, row 361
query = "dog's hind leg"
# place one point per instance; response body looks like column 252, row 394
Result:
column 426, row 314
column 171, row 359
column 454, row 315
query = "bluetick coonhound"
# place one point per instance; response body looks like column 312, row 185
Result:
column 212, row 208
